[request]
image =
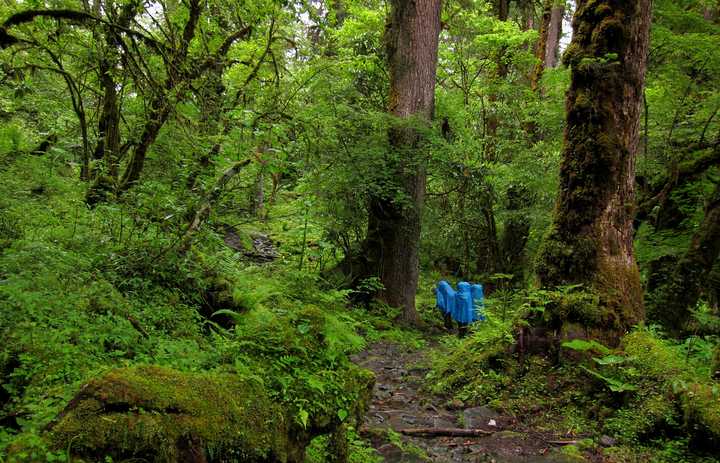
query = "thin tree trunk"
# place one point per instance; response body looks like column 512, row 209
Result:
column 541, row 47
column 554, row 33
column 591, row 241
column 156, row 119
column 203, row 212
column 393, row 239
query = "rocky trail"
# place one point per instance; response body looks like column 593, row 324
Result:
column 400, row 405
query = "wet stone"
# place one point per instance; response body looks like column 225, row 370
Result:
column 478, row 417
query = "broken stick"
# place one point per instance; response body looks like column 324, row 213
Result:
column 451, row 432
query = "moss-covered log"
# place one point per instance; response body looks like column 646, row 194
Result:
column 591, row 241
column 162, row 415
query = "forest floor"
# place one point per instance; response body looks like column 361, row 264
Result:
column 399, row 403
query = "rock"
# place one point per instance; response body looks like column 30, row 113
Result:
column 455, row 404
column 441, row 421
column 390, row 453
column 607, row 441
column 154, row 413
column 479, row 416
column 263, row 248
column 164, row 415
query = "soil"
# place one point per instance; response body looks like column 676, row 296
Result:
column 399, row 403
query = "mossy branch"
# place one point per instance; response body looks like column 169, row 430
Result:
column 204, row 211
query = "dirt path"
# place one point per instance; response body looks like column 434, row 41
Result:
column 398, row 403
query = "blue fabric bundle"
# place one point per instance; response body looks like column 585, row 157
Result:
column 464, row 306
column 445, row 297
column 478, row 296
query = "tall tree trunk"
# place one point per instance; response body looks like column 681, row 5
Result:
column 411, row 36
column 108, row 144
column 554, row 33
column 678, row 296
column 502, row 9
column 591, row 241
column 541, row 47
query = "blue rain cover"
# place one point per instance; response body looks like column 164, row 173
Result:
column 445, row 297
column 479, row 298
column 464, row 306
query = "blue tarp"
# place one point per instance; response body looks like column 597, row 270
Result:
column 479, row 297
column 465, row 305
column 445, row 297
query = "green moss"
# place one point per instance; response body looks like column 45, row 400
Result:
column 656, row 358
column 701, row 404
column 100, row 190
column 152, row 412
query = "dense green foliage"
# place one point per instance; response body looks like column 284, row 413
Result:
column 102, row 272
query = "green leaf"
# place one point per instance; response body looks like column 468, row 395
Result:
column 610, row 360
column 303, row 416
column 583, row 346
column 342, row 414
column 615, row 385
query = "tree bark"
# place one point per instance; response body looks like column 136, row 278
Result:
column 108, row 144
column 554, row 33
column 393, row 238
column 678, row 296
column 159, row 113
column 502, row 9
column 203, row 212
column 541, row 47
column 591, row 241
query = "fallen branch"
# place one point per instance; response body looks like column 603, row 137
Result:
column 136, row 324
column 450, row 432
column 563, row 442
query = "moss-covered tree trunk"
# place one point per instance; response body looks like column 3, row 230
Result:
column 412, row 34
column 675, row 299
column 591, row 241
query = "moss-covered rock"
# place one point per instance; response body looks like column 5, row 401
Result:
column 164, row 415
column 158, row 414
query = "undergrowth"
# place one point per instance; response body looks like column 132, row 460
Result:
column 651, row 398
column 86, row 290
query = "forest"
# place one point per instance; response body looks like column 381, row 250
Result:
column 350, row 231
